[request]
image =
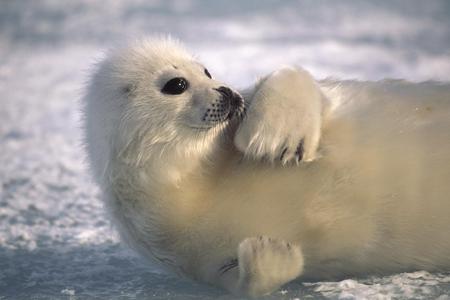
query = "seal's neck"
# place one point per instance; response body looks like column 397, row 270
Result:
column 172, row 163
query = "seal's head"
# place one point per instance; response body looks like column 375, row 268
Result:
column 154, row 97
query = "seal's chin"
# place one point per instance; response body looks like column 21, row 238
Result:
column 209, row 126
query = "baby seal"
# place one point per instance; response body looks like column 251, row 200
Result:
column 238, row 192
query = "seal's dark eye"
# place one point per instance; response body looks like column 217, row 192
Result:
column 175, row 86
column 207, row 73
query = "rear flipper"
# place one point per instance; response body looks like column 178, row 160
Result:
column 263, row 265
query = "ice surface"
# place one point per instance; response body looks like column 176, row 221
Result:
column 55, row 241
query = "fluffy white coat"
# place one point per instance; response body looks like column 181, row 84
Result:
column 229, row 203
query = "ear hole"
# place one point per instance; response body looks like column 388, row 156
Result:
column 126, row 89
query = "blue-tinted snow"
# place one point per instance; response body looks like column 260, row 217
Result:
column 55, row 241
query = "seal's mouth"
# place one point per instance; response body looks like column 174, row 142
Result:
column 226, row 109
column 234, row 103
column 237, row 112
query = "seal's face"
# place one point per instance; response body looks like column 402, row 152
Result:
column 202, row 101
column 154, row 96
column 167, row 87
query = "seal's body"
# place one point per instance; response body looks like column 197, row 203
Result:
column 223, row 198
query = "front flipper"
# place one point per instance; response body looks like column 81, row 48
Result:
column 284, row 118
column 264, row 264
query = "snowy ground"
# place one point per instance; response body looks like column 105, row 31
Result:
column 55, row 241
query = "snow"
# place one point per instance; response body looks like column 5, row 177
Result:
column 55, row 241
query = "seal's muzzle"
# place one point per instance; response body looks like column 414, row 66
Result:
column 233, row 100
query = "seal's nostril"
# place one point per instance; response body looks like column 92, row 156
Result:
column 230, row 104
column 226, row 92
column 234, row 99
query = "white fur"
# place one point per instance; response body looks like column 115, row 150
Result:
column 376, row 201
column 285, row 110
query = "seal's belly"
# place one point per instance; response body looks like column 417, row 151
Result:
column 379, row 193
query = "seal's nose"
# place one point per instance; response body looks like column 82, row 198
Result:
column 234, row 99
